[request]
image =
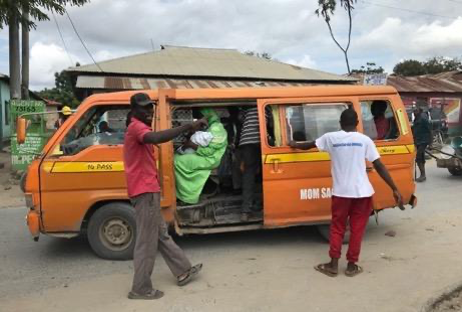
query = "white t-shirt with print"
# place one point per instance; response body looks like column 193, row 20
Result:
column 349, row 152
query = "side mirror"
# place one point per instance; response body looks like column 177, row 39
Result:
column 21, row 130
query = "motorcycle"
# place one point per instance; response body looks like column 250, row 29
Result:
column 451, row 156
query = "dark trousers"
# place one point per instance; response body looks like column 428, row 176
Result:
column 355, row 210
column 152, row 236
column 420, row 154
column 251, row 157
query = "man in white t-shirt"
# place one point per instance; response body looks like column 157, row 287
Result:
column 352, row 191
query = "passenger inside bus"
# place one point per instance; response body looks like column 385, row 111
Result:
column 382, row 124
column 192, row 170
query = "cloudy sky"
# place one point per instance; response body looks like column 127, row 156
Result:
column 384, row 32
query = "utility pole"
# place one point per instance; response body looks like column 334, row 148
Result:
column 15, row 74
column 25, row 57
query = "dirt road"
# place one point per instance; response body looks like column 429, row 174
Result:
column 253, row 271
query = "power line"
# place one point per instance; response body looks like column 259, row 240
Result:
column 408, row 10
column 83, row 43
column 62, row 39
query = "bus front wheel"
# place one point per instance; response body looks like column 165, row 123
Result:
column 112, row 231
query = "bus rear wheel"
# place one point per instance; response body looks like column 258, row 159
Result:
column 112, row 231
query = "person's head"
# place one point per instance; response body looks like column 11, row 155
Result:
column 103, row 126
column 378, row 108
column 349, row 120
column 65, row 112
column 142, row 107
column 209, row 114
column 418, row 112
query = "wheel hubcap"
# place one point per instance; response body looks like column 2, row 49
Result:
column 116, row 234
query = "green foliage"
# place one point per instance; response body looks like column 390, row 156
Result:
column 370, row 68
column 13, row 10
column 327, row 7
column 434, row 65
column 62, row 92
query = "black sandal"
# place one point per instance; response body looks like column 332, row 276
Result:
column 192, row 272
column 324, row 269
column 356, row 271
column 154, row 294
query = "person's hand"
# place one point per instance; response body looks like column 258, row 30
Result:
column 293, row 144
column 199, row 124
column 398, row 199
column 190, row 144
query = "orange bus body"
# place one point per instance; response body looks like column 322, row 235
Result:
column 64, row 192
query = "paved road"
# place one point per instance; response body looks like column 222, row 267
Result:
column 251, row 271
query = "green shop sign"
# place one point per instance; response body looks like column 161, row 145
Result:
column 37, row 136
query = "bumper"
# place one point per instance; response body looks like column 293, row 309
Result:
column 33, row 223
column 449, row 163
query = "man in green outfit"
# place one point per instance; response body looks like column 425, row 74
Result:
column 193, row 170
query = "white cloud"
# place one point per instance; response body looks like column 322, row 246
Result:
column 305, row 61
column 45, row 60
column 408, row 39
column 287, row 29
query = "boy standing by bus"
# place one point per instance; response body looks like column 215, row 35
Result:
column 352, row 191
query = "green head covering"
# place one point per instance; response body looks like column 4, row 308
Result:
column 210, row 115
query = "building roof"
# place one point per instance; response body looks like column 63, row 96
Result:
column 188, row 62
column 137, row 83
column 447, row 82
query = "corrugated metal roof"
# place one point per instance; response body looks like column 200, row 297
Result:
column 448, row 82
column 128, row 83
column 201, row 62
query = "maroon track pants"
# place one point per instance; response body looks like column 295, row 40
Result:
column 357, row 212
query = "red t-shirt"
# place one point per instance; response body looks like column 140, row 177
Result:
column 383, row 125
column 139, row 161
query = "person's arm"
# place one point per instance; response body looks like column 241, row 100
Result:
column 190, row 144
column 385, row 175
column 158, row 137
column 303, row 145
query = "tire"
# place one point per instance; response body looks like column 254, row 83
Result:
column 112, row 231
column 324, row 231
column 455, row 171
column 22, row 181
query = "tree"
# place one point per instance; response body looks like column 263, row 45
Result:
column 440, row 64
column 409, row 68
column 14, row 13
column 370, row 68
column 431, row 66
column 264, row 55
column 326, row 9
column 62, row 92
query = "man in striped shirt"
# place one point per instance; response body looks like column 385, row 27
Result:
column 250, row 151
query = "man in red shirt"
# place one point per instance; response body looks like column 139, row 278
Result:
column 144, row 192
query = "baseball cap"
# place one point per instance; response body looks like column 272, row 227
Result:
column 141, row 99
column 66, row 111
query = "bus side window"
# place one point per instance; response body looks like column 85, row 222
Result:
column 307, row 122
column 379, row 120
